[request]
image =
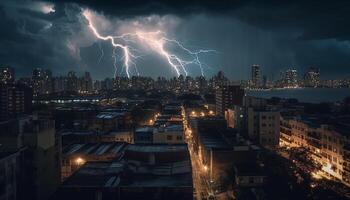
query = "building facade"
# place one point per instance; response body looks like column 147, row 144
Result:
column 326, row 144
column 255, row 76
column 15, row 99
column 7, row 75
column 228, row 96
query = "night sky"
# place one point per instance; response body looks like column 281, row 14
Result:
column 275, row 34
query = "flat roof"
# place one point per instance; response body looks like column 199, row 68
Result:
column 94, row 148
column 214, row 141
column 110, row 115
column 96, row 174
column 154, row 148
column 119, row 132
column 145, row 129
column 64, row 133
column 113, row 174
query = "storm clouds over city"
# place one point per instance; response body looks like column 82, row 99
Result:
column 276, row 35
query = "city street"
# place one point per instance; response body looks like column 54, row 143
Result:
column 199, row 172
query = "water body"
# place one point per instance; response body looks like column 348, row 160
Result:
column 310, row 95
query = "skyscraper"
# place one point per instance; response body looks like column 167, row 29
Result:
column 255, row 76
column 312, row 77
column 85, row 83
column 290, row 78
column 7, row 75
column 42, row 81
column 72, row 82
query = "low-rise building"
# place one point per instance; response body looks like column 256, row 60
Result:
column 109, row 121
column 264, row 126
column 218, row 148
column 143, row 135
column 156, row 172
column 118, row 136
column 326, row 141
column 172, row 134
column 250, row 175
column 75, row 155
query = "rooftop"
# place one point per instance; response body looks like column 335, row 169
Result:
column 110, row 115
column 112, row 174
column 155, row 148
column 145, row 129
column 94, row 148
column 130, row 172
column 96, row 174
column 119, row 132
column 66, row 133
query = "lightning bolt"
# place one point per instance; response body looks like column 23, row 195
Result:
column 156, row 41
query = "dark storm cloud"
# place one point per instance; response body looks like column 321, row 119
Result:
column 30, row 38
column 162, row 7
column 275, row 34
column 315, row 19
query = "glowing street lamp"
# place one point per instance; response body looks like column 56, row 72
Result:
column 79, row 161
column 205, row 168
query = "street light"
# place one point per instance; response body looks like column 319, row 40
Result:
column 79, row 161
column 205, row 168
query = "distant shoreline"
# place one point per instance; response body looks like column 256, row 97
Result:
column 307, row 95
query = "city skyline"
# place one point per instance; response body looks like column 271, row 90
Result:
column 174, row 100
column 241, row 33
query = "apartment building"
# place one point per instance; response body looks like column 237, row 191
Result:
column 326, row 141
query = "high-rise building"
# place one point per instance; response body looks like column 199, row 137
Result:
column 59, row 84
column 107, row 84
column 7, row 75
column 312, row 77
column 218, row 80
column 14, row 100
column 85, row 83
column 290, row 78
column 228, row 96
column 42, row 81
column 255, row 76
column 72, row 82
column 97, row 85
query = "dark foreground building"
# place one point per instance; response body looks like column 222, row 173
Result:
column 152, row 172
